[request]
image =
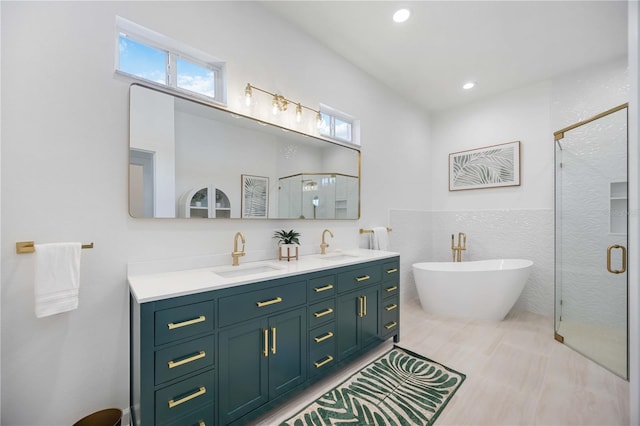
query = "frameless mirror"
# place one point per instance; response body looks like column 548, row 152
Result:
column 189, row 159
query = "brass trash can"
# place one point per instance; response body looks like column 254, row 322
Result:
column 108, row 417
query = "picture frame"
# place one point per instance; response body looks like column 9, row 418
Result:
column 488, row 167
column 255, row 197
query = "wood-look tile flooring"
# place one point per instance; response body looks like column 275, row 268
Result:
column 517, row 374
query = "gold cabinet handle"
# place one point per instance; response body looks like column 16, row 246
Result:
column 391, row 271
column 265, row 352
column 196, row 394
column 174, row 364
column 363, row 278
column 390, row 307
column 174, row 325
column 390, row 289
column 321, row 289
column 325, row 362
column 391, row 325
column 365, row 305
column 624, row 259
column 269, row 302
column 323, row 313
column 273, row 337
column 360, row 311
column 319, row 339
column 201, row 423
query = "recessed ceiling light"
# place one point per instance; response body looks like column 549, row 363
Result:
column 469, row 85
column 401, row 15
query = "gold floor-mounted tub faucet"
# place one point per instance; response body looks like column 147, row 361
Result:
column 236, row 254
column 462, row 245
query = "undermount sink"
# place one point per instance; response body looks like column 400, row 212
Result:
column 335, row 257
column 243, row 271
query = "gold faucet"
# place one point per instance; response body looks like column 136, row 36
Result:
column 324, row 245
column 462, row 245
column 236, row 254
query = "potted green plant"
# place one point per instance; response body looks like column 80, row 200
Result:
column 288, row 243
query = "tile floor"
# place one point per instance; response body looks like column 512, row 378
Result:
column 517, row 374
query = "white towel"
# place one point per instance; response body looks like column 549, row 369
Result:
column 379, row 239
column 57, row 278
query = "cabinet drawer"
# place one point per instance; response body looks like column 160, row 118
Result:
column 391, row 271
column 179, row 399
column 322, row 312
column 390, row 311
column 183, row 321
column 184, row 358
column 203, row 417
column 322, row 360
column 258, row 303
column 358, row 278
column 322, row 287
column 318, row 337
column 390, row 290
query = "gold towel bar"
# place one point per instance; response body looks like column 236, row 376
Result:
column 369, row 231
column 30, row 247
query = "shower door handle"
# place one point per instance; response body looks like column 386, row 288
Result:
column 624, row 259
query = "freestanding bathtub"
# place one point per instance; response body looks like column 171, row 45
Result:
column 485, row 289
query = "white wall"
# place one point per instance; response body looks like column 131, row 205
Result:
column 64, row 178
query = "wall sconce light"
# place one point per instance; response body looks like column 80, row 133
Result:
column 280, row 103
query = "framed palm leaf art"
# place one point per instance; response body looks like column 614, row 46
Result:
column 255, row 197
column 488, row 167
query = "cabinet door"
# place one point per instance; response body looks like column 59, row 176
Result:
column 369, row 324
column 243, row 375
column 287, row 351
column 347, row 330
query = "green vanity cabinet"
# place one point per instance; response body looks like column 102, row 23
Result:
column 260, row 360
column 390, row 312
column 226, row 356
column 173, row 368
column 357, row 321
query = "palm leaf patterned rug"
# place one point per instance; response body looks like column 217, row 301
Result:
column 399, row 388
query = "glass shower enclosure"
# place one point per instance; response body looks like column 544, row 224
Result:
column 591, row 311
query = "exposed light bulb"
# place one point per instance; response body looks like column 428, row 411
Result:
column 401, row 15
column 247, row 94
column 469, row 85
column 298, row 113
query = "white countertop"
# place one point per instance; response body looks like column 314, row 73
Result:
column 152, row 287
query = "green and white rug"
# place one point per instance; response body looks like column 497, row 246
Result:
column 399, row 388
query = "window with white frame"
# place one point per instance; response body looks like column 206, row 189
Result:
column 339, row 126
column 153, row 57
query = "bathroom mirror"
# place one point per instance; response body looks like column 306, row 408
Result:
column 189, row 159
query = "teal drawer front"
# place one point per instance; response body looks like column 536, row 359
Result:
column 321, row 335
column 322, row 312
column 322, row 360
column 203, row 417
column 184, row 321
column 389, row 290
column 391, row 271
column 359, row 278
column 184, row 358
column 322, row 287
column 241, row 307
column 390, row 310
column 178, row 400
